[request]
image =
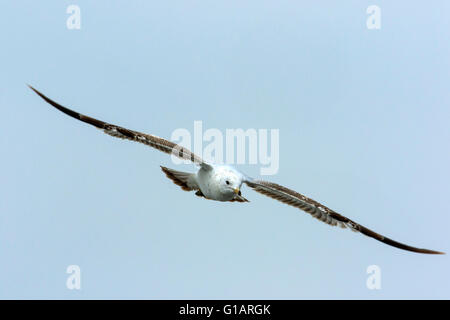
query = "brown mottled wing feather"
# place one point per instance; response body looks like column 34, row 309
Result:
column 323, row 213
column 123, row 133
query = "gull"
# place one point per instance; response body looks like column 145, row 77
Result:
column 224, row 182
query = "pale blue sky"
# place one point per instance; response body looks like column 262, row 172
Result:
column 364, row 128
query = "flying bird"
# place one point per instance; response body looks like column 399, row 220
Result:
column 223, row 182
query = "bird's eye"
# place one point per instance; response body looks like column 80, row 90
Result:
column 227, row 182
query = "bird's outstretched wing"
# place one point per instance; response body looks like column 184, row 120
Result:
column 323, row 213
column 123, row 133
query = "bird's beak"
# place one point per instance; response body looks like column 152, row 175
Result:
column 236, row 190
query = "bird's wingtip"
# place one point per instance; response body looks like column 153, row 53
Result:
column 32, row 88
column 431, row 251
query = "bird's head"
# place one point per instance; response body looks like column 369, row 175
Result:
column 230, row 182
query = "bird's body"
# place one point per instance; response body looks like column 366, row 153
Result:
column 223, row 182
column 213, row 182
